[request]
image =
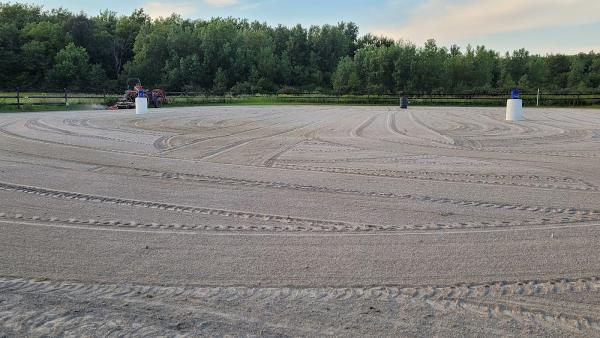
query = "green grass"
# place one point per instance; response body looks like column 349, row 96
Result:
column 489, row 101
column 32, row 101
column 36, row 101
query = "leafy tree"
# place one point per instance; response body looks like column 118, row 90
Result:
column 537, row 74
column 126, row 31
column 298, row 52
column 370, row 40
column 461, row 68
column 150, row 53
column 80, row 30
column 403, row 66
column 20, row 14
column 183, row 73
column 594, row 73
column 71, row 68
column 429, row 71
column 284, row 65
column 558, row 68
column 44, row 40
column 376, row 69
column 51, row 49
column 486, row 67
column 576, row 78
column 516, row 65
column 327, row 45
column 345, row 78
column 10, row 56
column 220, row 82
column 96, row 78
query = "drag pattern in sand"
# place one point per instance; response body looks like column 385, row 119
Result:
column 300, row 221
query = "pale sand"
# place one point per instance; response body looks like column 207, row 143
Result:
column 300, row 221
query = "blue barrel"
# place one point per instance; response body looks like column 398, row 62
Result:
column 515, row 94
column 404, row 102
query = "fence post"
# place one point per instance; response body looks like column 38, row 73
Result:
column 66, row 98
column 538, row 98
column 18, row 98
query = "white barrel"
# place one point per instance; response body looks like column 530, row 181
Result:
column 141, row 105
column 514, row 110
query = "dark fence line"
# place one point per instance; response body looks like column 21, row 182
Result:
column 415, row 99
column 575, row 99
column 198, row 98
column 63, row 98
column 298, row 93
column 462, row 95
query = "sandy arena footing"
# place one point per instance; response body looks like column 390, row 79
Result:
column 300, row 221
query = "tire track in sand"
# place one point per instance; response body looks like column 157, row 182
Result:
column 502, row 300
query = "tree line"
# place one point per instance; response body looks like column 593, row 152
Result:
column 54, row 49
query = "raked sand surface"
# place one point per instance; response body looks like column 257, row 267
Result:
column 300, row 221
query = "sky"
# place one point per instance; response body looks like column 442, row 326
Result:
column 541, row 26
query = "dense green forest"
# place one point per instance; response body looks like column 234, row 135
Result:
column 50, row 50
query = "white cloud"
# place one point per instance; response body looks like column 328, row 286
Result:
column 221, row 3
column 164, row 9
column 448, row 21
column 569, row 51
column 161, row 9
column 250, row 6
